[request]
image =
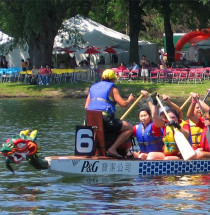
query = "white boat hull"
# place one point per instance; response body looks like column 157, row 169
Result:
column 101, row 166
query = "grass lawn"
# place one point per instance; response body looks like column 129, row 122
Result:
column 81, row 89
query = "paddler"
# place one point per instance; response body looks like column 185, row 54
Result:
column 149, row 136
column 170, row 149
column 203, row 151
column 103, row 96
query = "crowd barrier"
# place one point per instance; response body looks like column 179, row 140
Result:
column 180, row 75
column 172, row 75
column 57, row 76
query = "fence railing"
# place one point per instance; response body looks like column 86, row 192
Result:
column 57, row 76
column 76, row 75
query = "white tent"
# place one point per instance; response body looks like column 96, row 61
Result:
column 100, row 36
column 199, row 52
column 13, row 57
column 4, row 38
column 93, row 34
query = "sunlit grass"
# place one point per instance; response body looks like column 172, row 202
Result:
column 174, row 90
column 81, row 89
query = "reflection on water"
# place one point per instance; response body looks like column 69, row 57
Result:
column 38, row 192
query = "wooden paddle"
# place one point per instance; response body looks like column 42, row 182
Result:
column 185, row 103
column 181, row 141
column 131, row 107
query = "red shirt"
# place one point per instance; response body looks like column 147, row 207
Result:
column 203, row 143
column 47, row 71
column 122, row 67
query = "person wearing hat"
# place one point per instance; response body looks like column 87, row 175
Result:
column 103, row 96
column 170, row 104
column 170, row 149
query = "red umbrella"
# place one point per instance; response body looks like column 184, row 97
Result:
column 89, row 50
column 110, row 50
column 71, row 49
column 113, row 50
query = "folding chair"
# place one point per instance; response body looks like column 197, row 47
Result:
column 154, row 76
column 56, row 78
column 134, row 74
column 175, row 76
column 1, row 75
column 183, row 76
column 191, row 76
column 199, row 76
column 162, row 75
column 126, row 74
column 207, row 73
column 114, row 68
column 119, row 73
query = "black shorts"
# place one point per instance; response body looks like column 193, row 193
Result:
column 112, row 124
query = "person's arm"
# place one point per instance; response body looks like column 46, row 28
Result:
column 141, row 62
column 190, row 111
column 157, row 120
column 117, row 97
column 204, row 106
column 148, row 99
column 173, row 105
column 87, row 101
column 147, row 63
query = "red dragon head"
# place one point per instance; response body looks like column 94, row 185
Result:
column 23, row 147
column 18, row 148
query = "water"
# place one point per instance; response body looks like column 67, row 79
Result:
column 31, row 191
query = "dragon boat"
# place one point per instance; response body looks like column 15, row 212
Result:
column 91, row 143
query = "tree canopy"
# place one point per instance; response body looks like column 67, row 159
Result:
column 37, row 22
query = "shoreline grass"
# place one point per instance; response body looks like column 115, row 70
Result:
column 80, row 90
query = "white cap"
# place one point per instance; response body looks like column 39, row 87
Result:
column 161, row 109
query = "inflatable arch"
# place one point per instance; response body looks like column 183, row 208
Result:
column 192, row 38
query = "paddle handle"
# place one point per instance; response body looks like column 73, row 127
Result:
column 164, row 110
column 130, row 108
column 184, row 104
column 207, row 94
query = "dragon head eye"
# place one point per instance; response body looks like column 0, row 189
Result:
column 21, row 145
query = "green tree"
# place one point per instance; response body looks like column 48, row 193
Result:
column 37, row 22
column 166, row 11
column 184, row 15
column 136, row 13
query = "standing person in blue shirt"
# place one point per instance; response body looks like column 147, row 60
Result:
column 103, row 96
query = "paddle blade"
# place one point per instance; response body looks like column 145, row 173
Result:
column 183, row 145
